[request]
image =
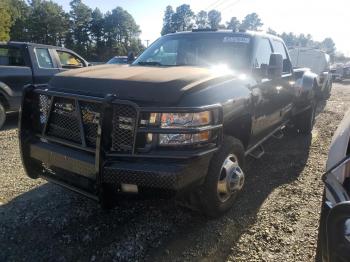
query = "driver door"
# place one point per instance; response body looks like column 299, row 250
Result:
column 265, row 94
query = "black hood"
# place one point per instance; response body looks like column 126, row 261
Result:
column 165, row 85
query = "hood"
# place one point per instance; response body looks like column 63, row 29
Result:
column 165, row 85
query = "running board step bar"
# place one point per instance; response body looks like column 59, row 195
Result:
column 258, row 152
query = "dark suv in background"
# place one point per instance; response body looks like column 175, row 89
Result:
column 27, row 63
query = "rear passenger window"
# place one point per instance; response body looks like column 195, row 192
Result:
column 263, row 53
column 44, row 58
column 278, row 47
column 11, row 56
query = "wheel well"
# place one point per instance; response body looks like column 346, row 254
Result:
column 240, row 128
column 4, row 101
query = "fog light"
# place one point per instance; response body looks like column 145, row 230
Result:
column 183, row 139
column 129, row 188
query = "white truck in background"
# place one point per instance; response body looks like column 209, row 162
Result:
column 318, row 62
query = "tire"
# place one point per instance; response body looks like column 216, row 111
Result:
column 2, row 115
column 304, row 121
column 214, row 201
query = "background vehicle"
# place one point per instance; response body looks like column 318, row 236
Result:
column 181, row 119
column 119, row 60
column 318, row 61
column 337, row 71
column 27, row 63
column 334, row 234
column 346, row 71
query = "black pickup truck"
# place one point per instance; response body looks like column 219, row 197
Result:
column 27, row 63
column 181, row 119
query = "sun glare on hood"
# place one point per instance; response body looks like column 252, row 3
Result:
column 221, row 70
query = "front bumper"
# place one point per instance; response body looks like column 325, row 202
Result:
column 88, row 171
column 78, row 170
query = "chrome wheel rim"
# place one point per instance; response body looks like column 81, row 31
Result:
column 231, row 178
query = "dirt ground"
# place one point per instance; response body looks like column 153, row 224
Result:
column 274, row 219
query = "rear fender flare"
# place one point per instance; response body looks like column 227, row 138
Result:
column 306, row 89
column 308, row 81
column 309, row 86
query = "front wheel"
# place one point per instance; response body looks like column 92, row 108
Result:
column 2, row 115
column 225, row 178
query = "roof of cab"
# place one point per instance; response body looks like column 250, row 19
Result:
column 20, row 44
column 241, row 32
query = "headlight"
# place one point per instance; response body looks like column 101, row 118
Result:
column 181, row 120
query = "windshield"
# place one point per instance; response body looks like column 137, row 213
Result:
column 198, row 50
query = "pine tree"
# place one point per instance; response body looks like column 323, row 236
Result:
column 168, row 26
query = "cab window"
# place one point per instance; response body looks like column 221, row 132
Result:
column 69, row 60
column 43, row 57
column 11, row 56
column 279, row 48
column 263, row 53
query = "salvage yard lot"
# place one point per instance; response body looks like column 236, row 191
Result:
column 274, row 219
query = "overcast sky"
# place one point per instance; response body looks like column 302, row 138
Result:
column 320, row 18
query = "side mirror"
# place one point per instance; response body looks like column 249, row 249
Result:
column 338, row 232
column 275, row 66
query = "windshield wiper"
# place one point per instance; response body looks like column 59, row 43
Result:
column 153, row 63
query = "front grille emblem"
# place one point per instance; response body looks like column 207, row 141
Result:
column 65, row 107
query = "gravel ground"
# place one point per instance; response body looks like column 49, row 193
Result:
column 274, row 219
